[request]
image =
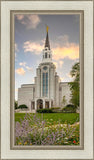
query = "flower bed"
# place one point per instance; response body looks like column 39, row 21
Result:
column 36, row 131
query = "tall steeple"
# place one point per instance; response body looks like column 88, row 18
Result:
column 47, row 44
column 47, row 56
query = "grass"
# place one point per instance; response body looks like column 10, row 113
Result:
column 47, row 129
column 69, row 118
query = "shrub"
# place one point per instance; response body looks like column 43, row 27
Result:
column 46, row 110
column 22, row 106
column 69, row 109
column 56, row 108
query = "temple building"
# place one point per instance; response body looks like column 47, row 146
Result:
column 47, row 91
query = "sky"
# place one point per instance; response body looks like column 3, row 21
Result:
column 30, row 35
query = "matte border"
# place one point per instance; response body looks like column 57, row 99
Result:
column 93, row 71
column 48, row 0
column 12, row 78
column 0, row 80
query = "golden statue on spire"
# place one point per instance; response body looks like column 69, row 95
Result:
column 47, row 28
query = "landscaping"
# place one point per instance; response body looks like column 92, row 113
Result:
column 47, row 129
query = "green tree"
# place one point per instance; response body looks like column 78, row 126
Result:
column 74, row 86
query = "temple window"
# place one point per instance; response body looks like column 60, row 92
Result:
column 45, row 54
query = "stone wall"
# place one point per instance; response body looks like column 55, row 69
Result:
column 64, row 91
column 26, row 94
column 57, row 103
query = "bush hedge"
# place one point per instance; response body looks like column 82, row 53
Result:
column 22, row 106
column 46, row 110
column 69, row 109
column 56, row 108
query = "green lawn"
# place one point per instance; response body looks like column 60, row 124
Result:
column 52, row 117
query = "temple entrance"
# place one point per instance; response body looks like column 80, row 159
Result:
column 39, row 104
column 47, row 104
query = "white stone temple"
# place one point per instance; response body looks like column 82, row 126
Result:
column 47, row 91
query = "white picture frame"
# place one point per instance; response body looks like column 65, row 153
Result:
column 6, row 151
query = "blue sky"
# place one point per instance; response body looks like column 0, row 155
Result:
column 30, row 34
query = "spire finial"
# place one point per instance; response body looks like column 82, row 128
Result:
column 47, row 28
column 47, row 44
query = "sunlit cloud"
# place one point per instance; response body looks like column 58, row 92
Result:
column 58, row 64
column 20, row 71
column 36, row 48
column 20, row 16
column 30, row 21
column 29, row 68
column 65, row 49
column 62, row 49
column 71, row 51
column 22, row 64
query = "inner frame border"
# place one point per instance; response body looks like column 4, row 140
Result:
column 12, row 79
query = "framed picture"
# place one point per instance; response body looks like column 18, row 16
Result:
column 50, row 95
column 47, row 80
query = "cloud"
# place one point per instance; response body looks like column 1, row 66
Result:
column 29, row 68
column 20, row 71
column 58, row 64
column 33, row 47
column 62, row 49
column 25, row 66
column 22, row 64
column 63, row 40
column 20, row 16
column 30, row 21
column 70, row 51
column 16, row 48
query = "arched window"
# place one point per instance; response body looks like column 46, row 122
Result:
column 45, row 54
column 45, row 84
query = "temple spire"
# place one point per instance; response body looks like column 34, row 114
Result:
column 47, row 44
column 47, row 53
